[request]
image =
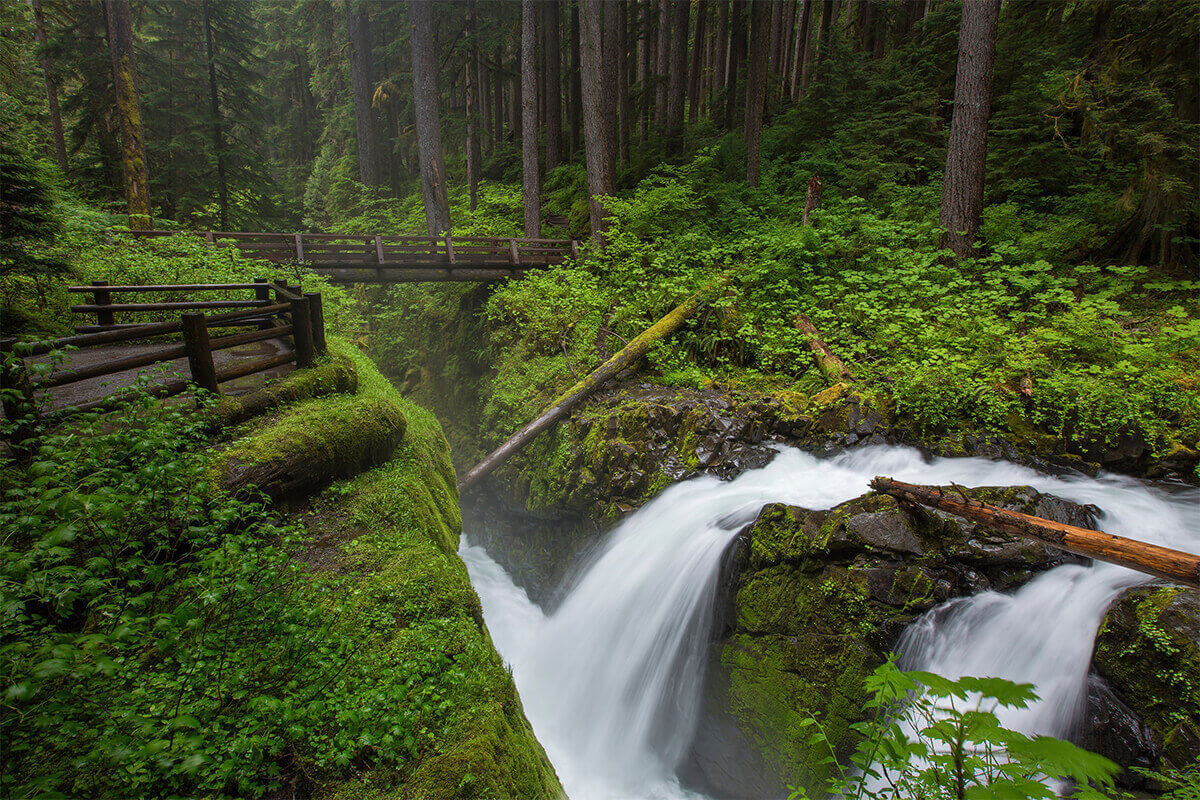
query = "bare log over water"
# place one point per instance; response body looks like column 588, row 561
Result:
column 1163, row 562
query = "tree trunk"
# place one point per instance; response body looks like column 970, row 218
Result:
column 815, row 62
column 800, row 53
column 425, row 107
column 597, row 102
column 756, row 84
column 576, row 82
column 610, row 74
column 677, row 85
column 128, row 113
column 623, row 121
column 774, row 38
column 553, row 79
column 721, row 55
column 1152, row 559
column 832, row 368
column 737, row 53
column 56, row 126
column 474, row 108
column 662, row 68
column 529, row 128
column 214, row 107
column 698, row 48
column 649, row 59
column 624, row 359
column 358, row 28
column 962, row 187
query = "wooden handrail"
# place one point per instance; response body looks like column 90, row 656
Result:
column 168, row 287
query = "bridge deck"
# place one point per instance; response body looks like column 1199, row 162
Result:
column 358, row 258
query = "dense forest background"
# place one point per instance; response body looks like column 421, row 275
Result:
column 308, row 114
column 989, row 209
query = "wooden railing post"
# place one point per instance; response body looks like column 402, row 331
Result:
column 302, row 332
column 103, row 298
column 513, row 256
column 449, row 250
column 316, row 318
column 280, row 288
column 378, row 249
column 199, row 352
column 299, row 249
column 262, row 293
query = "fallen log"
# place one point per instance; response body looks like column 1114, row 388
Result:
column 830, row 365
column 626, row 357
column 1162, row 562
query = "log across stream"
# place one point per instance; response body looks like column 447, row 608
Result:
column 610, row 678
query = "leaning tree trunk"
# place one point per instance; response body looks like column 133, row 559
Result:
column 962, row 187
column 425, row 106
column 624, row 359
column 358, row 30
column 56, row 126
column 529, row 127
column 129, row 115
column 756, row 85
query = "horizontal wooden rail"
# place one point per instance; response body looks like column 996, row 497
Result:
column 164, row 287
column 179, row 306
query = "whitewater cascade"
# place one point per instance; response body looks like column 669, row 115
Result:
column 611, row 680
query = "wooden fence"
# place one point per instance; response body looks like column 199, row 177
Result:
column 276, row 310
column 357, row 258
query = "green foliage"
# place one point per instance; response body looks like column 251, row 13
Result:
column 929, row 737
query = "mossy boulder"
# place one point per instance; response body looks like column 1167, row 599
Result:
column 1148, row 651
column 816, row 600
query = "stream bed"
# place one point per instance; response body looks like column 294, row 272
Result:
column 611, row 680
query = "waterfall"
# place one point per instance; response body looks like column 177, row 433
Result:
column 611, row 680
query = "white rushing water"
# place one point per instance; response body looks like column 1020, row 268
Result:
column 611, row 680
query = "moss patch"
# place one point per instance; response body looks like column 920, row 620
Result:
column 332, row 375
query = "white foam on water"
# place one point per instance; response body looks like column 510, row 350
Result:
column 610, row 681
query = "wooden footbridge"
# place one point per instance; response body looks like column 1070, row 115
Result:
column 358, row 258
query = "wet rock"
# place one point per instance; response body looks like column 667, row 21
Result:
column 1113, row 730
column 820, row 599
column 1148, row 649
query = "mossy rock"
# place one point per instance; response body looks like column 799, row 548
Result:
column 332, row 375
column 1148, row 649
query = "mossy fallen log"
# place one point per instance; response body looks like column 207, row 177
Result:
column 831, row 366
column 1162, row 562
column 627, row 357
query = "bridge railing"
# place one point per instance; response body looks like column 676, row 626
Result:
column 277, row 311
column 356, row 251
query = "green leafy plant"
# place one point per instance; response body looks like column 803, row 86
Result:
column 929, row 738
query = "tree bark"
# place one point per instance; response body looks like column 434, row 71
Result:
column 529, row 128
column 596, row 102
column 649, row 59
column 610, row 75
column 553, row 78
column 962, row 187
column 128, row 112
column 677, row 84
column 425, row 107
column 214, row 107
column 627, row 357
column 358, row 29
column 56, row 125
column 737, row 53
column 1152, row 559
column 698, row 49
column 756, row 84
column 815, row 61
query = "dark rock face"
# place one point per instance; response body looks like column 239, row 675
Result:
column 1148, row 651
column 817, row 600
column 1113, row 730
